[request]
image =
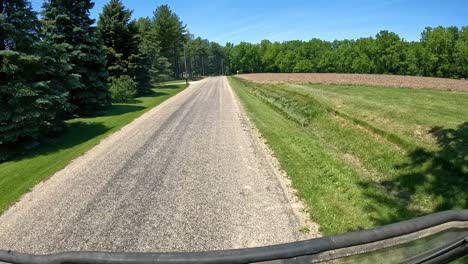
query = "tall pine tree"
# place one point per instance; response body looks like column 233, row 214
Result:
column 172, row 33
column 153, row 62
column 119, row 37
column 68, row 22
column 32, row 77
column 19, row 25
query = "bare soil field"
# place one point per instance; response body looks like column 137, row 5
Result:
column 367, row 79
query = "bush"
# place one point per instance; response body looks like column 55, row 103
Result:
column 123, row 89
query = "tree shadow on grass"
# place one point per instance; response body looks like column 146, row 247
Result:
column 78, row 132
column 439, row 177
column 383, row 207
column 73, row 135
column 153, row 93
column 120, row 109
column 167, row 86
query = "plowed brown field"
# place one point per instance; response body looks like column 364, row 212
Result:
column 367, row 79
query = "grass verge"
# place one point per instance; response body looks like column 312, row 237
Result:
column 353, row 155
column 21, row 175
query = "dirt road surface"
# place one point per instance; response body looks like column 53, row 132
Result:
column 188, row 175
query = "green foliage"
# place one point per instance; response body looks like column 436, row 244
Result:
column 170, row 31
column 19, row 25
column 68, row 23
column 246, row 58
column 439, row 45
column 20, row 102
column 155, row 67
column 33, row 75
column 441, row 52
column 204, row 57
column 32, row 101
column 461, row 54
column 119, row 36
column 124, row 45
column 389, row 49
column 123, row 89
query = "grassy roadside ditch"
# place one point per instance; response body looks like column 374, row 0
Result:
column 365, row 156
column 21, row 175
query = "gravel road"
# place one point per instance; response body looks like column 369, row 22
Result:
column 188, row 175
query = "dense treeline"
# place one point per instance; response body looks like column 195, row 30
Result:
column 50, row 69
column 204, row 57
column 441, row 52
column 62, row 65
column 132, row 49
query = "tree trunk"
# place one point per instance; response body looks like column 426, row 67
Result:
column 2, row 33
column 203, row 66
column 191, row 67
column 176, row 68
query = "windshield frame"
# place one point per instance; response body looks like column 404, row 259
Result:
column 315, row 250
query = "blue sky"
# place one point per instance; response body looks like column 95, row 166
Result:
column 252, row 21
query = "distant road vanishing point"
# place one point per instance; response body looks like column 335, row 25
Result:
column 189, row 175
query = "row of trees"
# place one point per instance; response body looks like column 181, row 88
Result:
column 62, row 65
column 133, row 49
column 49, row 69
column 204, row 57
column 147, row 49
column 441, row 52
column 165, row 46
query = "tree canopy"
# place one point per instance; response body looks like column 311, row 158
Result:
column 68, row 22
column 61, row 65
column 33, row 97
column 441, row 52
column 119, row 36
column 171, row 33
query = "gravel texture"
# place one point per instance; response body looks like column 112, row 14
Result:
column 188, row 175
column 367, row 79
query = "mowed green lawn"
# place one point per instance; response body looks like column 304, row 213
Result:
column 364, row 156
column 20, row 176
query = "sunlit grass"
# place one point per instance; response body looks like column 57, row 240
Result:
column 19, row 176
column 352, row 154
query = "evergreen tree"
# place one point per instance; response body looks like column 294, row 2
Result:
column 68, row 23
column 158, row 67
column 171, row 33
column 32, row 76
column 19, row 26
column 119, row 36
